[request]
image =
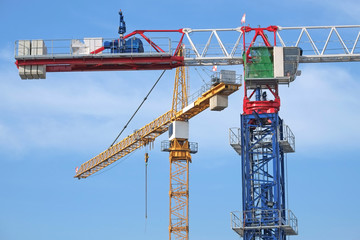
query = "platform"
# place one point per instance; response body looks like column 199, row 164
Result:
column 235, row 140
column 165, row 146
column 264, row 219
column 286, row 142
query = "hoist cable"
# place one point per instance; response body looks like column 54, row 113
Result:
column 146, row 180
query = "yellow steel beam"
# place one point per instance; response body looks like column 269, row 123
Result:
column 203, row 102
column 149, row 132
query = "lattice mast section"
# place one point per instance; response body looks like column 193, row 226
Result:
column 180, row 158
column 263, row 179
column 180, row 95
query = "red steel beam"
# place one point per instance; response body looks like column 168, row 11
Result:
column 106, row 64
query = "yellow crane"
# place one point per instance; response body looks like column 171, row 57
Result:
column 178, row 147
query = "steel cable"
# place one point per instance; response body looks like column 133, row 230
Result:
column 137, row 109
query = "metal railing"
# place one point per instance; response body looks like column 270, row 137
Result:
column 288, row 136
column 194, row 96
column 166, row 145
column 234, row 136
column 262, row 138
column 262, row 219
column 80, row 47
column 218, row 77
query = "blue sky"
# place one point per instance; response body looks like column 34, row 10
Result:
column 49, row 127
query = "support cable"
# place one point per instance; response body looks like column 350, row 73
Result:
column 200, row 76
column 137, row 109
column 206, row 72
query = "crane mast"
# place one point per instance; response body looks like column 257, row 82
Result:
column 179, row 159
column 263, row 141
column 263, row 138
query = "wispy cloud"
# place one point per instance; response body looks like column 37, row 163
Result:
column 61, row 113
column 322, row 108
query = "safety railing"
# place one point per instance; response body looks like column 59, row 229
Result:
column 262, row 138
column 87, row 46
column 288, row 136
column 236, row 222
column 194, row 96
column 166, row 146
column 235, row 139
column 265, row 219
column 224, row 76
column 234, row 136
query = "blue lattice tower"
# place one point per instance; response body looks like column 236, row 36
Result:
column 263, row 179
column 262, row 141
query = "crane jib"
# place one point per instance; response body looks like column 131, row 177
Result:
column 152, row 130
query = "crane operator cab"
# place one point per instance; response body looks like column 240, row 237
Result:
column 272, row 65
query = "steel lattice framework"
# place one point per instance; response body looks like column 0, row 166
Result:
column 262, row 146
column 180, row 158
column 336, row 44
column 204, row 47
column 180, row 94
column 263, row 177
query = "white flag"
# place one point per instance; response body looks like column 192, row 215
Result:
column 243, row 18
column 214, row 68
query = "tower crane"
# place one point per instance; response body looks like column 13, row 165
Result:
column 262, row 139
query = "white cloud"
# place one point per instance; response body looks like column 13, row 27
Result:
column 73, row 112
column 322, row 107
